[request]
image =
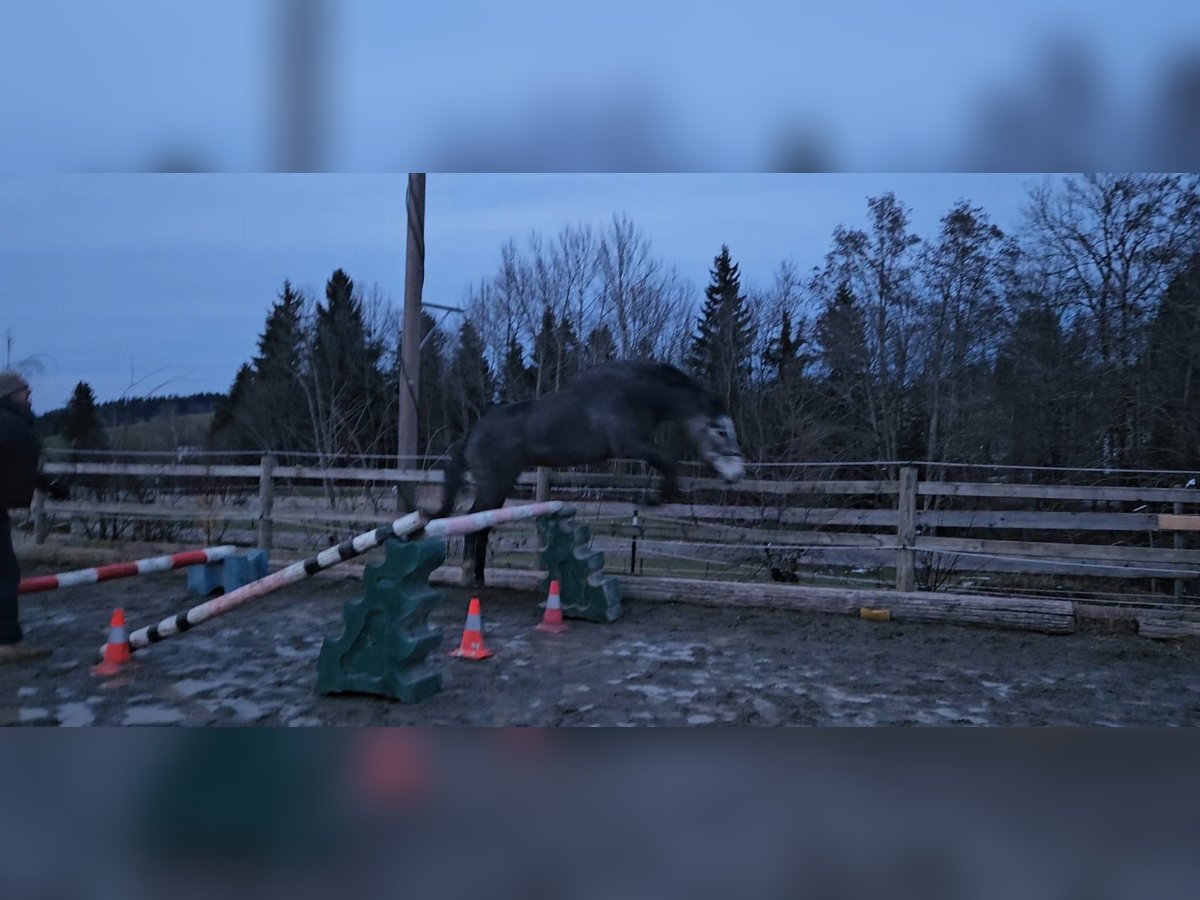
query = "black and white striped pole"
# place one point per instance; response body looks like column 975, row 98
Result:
column 409, row 526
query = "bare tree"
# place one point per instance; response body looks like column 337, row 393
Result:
column 567, row 287
column 1114, row 241
column 641, row 297
column 967, row 275
column 876, row 267
column 779, row 414
column 29, row 365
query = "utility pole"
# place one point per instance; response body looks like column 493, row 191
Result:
column 410, row 351
column 303, row 31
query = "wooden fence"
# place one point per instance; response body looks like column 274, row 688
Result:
column 904, row 530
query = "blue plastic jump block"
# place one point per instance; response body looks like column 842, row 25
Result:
column 227, row 574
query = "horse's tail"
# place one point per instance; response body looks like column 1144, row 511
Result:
column 455, row 469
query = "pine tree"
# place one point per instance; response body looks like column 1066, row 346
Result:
column 516, row 378
column 281, row 345
column 226, row 431
column 347, row 385
column 784, row 353
column 1046, row 410
column 600, row 347
column 81, row 423
column 274, row 408
column 340, row 347
column 720, row 349
column 471, row 379
column 555, row 352
column 1172, row 380
column 842, row 351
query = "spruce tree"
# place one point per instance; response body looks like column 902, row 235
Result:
column 600, row 346
column 516, row 378
column 1171, row 383
column 841, row 341
column 340, row 348
column 1039, row 409
column 275, row 407
column 280, row 347
column 784, row 352
column 555, row 352
column 81, row 423
column 720, row 348
column 347, row 384
column 471, row 379
column 226, row 431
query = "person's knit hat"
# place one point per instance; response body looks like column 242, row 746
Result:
column 10, row 383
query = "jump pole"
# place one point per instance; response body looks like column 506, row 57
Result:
column 413, row 525
column 124, row 570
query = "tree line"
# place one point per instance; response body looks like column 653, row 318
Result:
column 1072, row 341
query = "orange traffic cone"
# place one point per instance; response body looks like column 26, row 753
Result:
column 117, row 652
column 552, row 621
column 472, row 639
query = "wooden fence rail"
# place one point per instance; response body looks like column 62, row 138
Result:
column 908, row 526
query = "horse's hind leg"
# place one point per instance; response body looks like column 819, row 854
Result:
column 489, row 495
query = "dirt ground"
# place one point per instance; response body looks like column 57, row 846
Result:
column 661, row 664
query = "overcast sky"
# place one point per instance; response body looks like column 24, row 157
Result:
column 138, row 283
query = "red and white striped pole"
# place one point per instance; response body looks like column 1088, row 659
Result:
column 124, row 570
column 413, row 525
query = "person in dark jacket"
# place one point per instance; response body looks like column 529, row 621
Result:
column 19, row 452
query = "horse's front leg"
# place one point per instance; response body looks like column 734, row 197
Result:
column 477, row 547
column 669, row 489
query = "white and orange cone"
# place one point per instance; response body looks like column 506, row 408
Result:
column 472, row 640
column 552, row 621
column 117, row 652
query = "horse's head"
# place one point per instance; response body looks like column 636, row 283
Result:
column 716, row 443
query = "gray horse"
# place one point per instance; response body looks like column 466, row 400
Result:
column 609, row 412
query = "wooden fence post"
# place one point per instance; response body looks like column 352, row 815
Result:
column 906, row 530
column 1178, row 542
column 41, row 526
column 543, row 484
column 266, row 499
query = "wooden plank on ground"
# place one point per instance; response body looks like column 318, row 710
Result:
column 1157, row 626
column 1025, row 613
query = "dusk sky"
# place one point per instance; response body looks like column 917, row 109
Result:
column 137, row 283
column 162, row 283
column 534, row 85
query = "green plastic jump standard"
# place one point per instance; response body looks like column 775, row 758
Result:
column 387, row 636
column 585, row 592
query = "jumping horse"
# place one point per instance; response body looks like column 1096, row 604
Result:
column 610, row 412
